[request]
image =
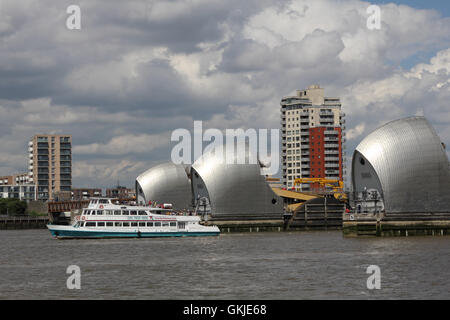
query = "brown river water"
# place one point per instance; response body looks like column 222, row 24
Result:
column 291, row 265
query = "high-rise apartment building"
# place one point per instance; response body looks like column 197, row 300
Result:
column 312, row 137
column 50, row 164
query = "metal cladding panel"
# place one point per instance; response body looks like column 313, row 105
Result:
column 168, row 183
column 234, row 188
column 411, row 165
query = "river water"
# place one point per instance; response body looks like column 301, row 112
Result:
column 294, row 265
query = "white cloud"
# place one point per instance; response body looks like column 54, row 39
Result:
column 356, row 131
column 126, row 145
column 135, row 72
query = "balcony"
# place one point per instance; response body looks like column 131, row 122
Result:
column 331, row 145
column 331, row 165
column 65, row 152
column 42, row 145
column 326, row 113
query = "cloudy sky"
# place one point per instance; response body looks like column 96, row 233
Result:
column 139, row 69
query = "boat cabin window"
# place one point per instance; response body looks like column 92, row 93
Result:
column 157, row 224
column 104, row 201
column 165, row 224
column 109, row 224
column 142, row 213
column 108, row 212
column 141, row 224
column 99, row 212
column 149, row 224
column 100, row 224
column 133, row 213
column 126, row 224
column 126, row 212
column 117, row 212
column 134, row 224
column 117, row 224
column 181, row 225
column 90, row 224
column 173, row 224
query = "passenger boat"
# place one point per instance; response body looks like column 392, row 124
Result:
column 104, row 219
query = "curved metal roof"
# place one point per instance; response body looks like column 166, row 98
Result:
column 410, row 164
column 233, row 188
column 168, row 183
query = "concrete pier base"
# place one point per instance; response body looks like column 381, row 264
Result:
column 228, row 226
column 383, row 227
column 23, row 222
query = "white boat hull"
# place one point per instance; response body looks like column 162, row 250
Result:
column 60, row 232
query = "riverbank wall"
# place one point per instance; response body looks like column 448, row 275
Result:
column 23, row 222
column 396, row 225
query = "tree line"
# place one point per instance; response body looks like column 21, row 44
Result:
column 12, row 207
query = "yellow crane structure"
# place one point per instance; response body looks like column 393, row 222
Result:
column 336, row 185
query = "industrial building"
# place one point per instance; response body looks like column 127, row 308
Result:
column 312, row 138
column 402, row 167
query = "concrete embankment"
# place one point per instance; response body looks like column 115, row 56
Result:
column 315, row 214
column 247, row 223
column 396, row 225
column 23, row 222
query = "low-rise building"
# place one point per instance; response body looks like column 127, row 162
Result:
column 120, row 192
column 86, row 193
column 25, row 192
column 15, row 179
